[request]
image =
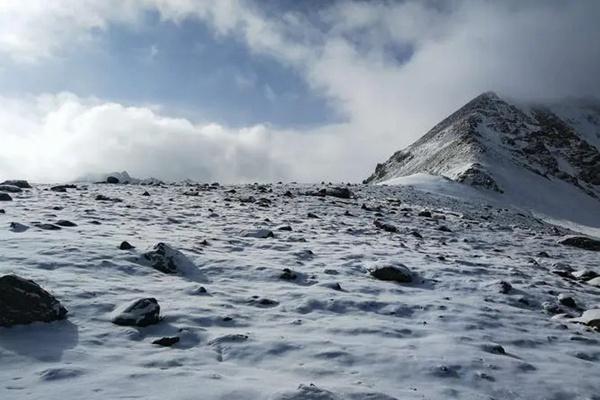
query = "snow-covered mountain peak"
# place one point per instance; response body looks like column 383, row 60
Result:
column 518, row 150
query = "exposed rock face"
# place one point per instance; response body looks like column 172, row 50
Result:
column 23, row 301
column 558, row 141
column 142, row 312
column 582, row 242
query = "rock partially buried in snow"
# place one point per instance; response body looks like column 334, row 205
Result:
column 166, row 341
column 20, row 183
column 165, row 258
column 582, row 242
column 18, row 227
column 594, row 282
column 590, row 318
column 396, row 273
column 23, row 301
column 258, row 233
column 125, row 245
column 142, row 312
column 5, row 197
column 10, row 189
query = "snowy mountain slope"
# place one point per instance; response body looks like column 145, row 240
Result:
column 542, row 157
column 487, row 314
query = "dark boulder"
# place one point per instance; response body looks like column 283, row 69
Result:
column 397, row 273
column 112, row 179
column 64, row 222
column 142, row 312
column 23, row 301
column 10, row 189
column 125, row 245
column 166, row 341
column 582, row 242
column 5, row 197
column 21, row 183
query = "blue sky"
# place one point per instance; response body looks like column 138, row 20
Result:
column 243, row 90
column 185, row 68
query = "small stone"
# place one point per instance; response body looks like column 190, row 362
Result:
column 493, row 348
column 288, row 275
column 146, row 193
column 258, row 233
column 385, row 226
column 567, row 300
column 312, row 215
column 125, row 245
column 48, row 227
column 64, row 222
column 285, row 228
column 426, row 214
column 18, row 227
column 166, row 341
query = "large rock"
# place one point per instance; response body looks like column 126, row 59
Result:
column 23, row 301
column 397, row 273
column 10, row 188
column 21, row 183
column 142, row 312
column 582, row 242
column 165, row 258
column 5, row 197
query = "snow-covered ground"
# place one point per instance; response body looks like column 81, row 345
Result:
column 455, row 332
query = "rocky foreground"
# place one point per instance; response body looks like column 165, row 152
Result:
column 290, row 292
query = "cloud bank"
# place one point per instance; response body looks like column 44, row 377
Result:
column 392, row 69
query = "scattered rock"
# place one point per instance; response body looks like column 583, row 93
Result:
column 142, row 312
column 567, row 301
column 20, row 183
column 581, row 242
column 18, row 227
column 284, row 228
column 126, row 246
column 385, row 226
column 102, row 197
column 146, row 193
column 112, row 179
column 62, row 188
column 426, row 214
column 594, row 282
column 262, row 302
column 493, row 348
column 258, row 233
column 288, row 275
column 10, row 189
column 165, row 258
column 23, row 301
column 48, row 227
column 5, row 197
column 312, row 215
column 397, row 273
column 64, row 222
column 166, row 341
column 590, row 318
column 504, row 287
column 584, row 275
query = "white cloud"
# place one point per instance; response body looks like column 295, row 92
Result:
column 394, row 69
